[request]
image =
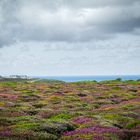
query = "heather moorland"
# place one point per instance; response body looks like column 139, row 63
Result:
column 55, row 110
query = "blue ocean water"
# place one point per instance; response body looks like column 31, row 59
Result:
column 90, row 78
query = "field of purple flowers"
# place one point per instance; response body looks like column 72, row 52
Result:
column 88, row 110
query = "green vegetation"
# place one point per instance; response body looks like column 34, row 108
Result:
column 37, row 109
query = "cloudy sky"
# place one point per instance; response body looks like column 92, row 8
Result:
column 69, row 37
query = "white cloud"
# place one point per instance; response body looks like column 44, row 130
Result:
column 69, row 37
column 119, row 55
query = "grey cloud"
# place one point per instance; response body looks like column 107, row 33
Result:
column 53, row 5
column 65, row 20
column 99, row 3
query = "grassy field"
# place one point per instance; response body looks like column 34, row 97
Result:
column 54, row 110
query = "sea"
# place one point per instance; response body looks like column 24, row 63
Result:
column 90, row 78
